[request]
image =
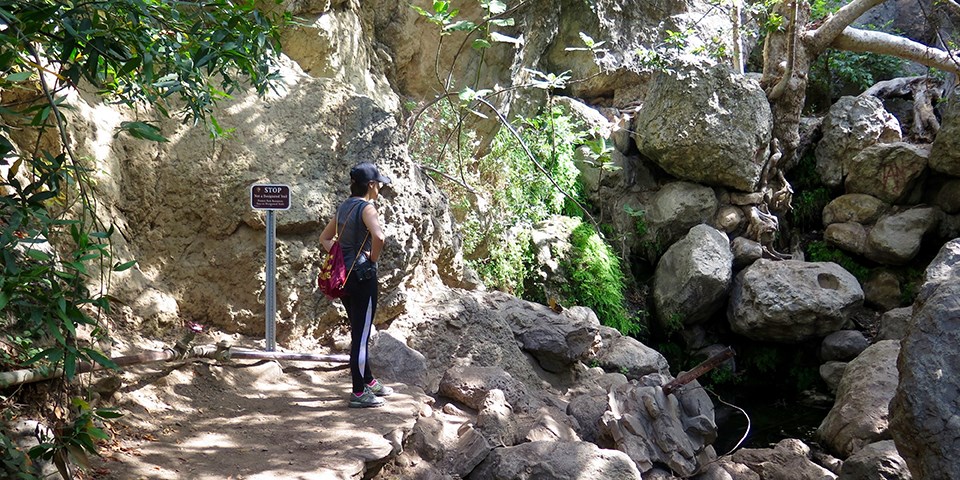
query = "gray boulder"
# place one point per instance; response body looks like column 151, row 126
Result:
column 393, row 360
column 888, row 171
column 877, row 461
column 471, row 385
column 859, row 415
column 852, row 124
column 721, row 142
column 676, row 208
column 693, row 277
column 555, row 460
column 791, row 301
column 843, row 345
column 895, row 239
column 628, row 356
column 789, row 459
column 558, row 340
column 925, row 414
column 894, row 324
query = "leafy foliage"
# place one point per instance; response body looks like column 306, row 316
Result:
column 820, row 251
column 177, row 57
column 596, row 280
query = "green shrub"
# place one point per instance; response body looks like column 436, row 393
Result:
column 820, row 251
column 596, row 280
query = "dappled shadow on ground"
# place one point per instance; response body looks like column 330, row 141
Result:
column 252, row 420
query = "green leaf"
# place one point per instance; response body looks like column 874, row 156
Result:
column 480, row 44
column 108, row 413
column 503, row 22
column 460, row 26
column 18, row 77
column 143, row 131
column 495, row 7
column 38, row 255
column 119, row 267
column 4, row 298
column 100, row 358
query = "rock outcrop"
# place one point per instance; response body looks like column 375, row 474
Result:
column 925, row 415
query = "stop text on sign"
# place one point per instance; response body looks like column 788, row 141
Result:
column 270, row 197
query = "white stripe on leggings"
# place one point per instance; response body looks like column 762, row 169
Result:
column 367, row 322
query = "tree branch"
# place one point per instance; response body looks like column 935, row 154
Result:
column 866, row 41
column 823, row 36
column 954, row 6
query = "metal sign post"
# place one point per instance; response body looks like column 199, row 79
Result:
column 271, row 198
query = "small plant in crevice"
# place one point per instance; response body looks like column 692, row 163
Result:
column 820, row 251
column 807, row 212
column 912, row 279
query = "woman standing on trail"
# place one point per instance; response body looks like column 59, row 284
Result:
column 361, row 240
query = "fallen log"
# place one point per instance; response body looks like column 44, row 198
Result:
column 704, row 367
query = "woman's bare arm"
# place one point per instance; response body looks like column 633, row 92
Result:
column 371, row 220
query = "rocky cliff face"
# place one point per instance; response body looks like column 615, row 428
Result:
column 183, row 208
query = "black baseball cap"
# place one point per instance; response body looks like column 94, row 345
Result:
column 367, row 172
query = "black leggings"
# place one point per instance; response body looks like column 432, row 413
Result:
column 361, row 305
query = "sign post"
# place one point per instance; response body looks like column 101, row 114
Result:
column 271, row 198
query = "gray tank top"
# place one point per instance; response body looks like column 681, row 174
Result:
column 352, row 230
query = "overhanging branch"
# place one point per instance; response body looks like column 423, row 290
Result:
column 867, row 41
column 836, row 23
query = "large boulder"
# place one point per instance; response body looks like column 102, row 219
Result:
column 628, row 355
column 896, row 238
column 705, row 124
column 676, row 208
column 852, row 124
column 557, row 340
column 925, row 414
column 888, row 171
column 556, row 460
column 693, row 278
column 788, row 459
column 877, row 461
column 854, row 207
column 183, row 207
column 792, row 301
column 859, row 415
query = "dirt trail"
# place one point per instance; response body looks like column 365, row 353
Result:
column 248, row 420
